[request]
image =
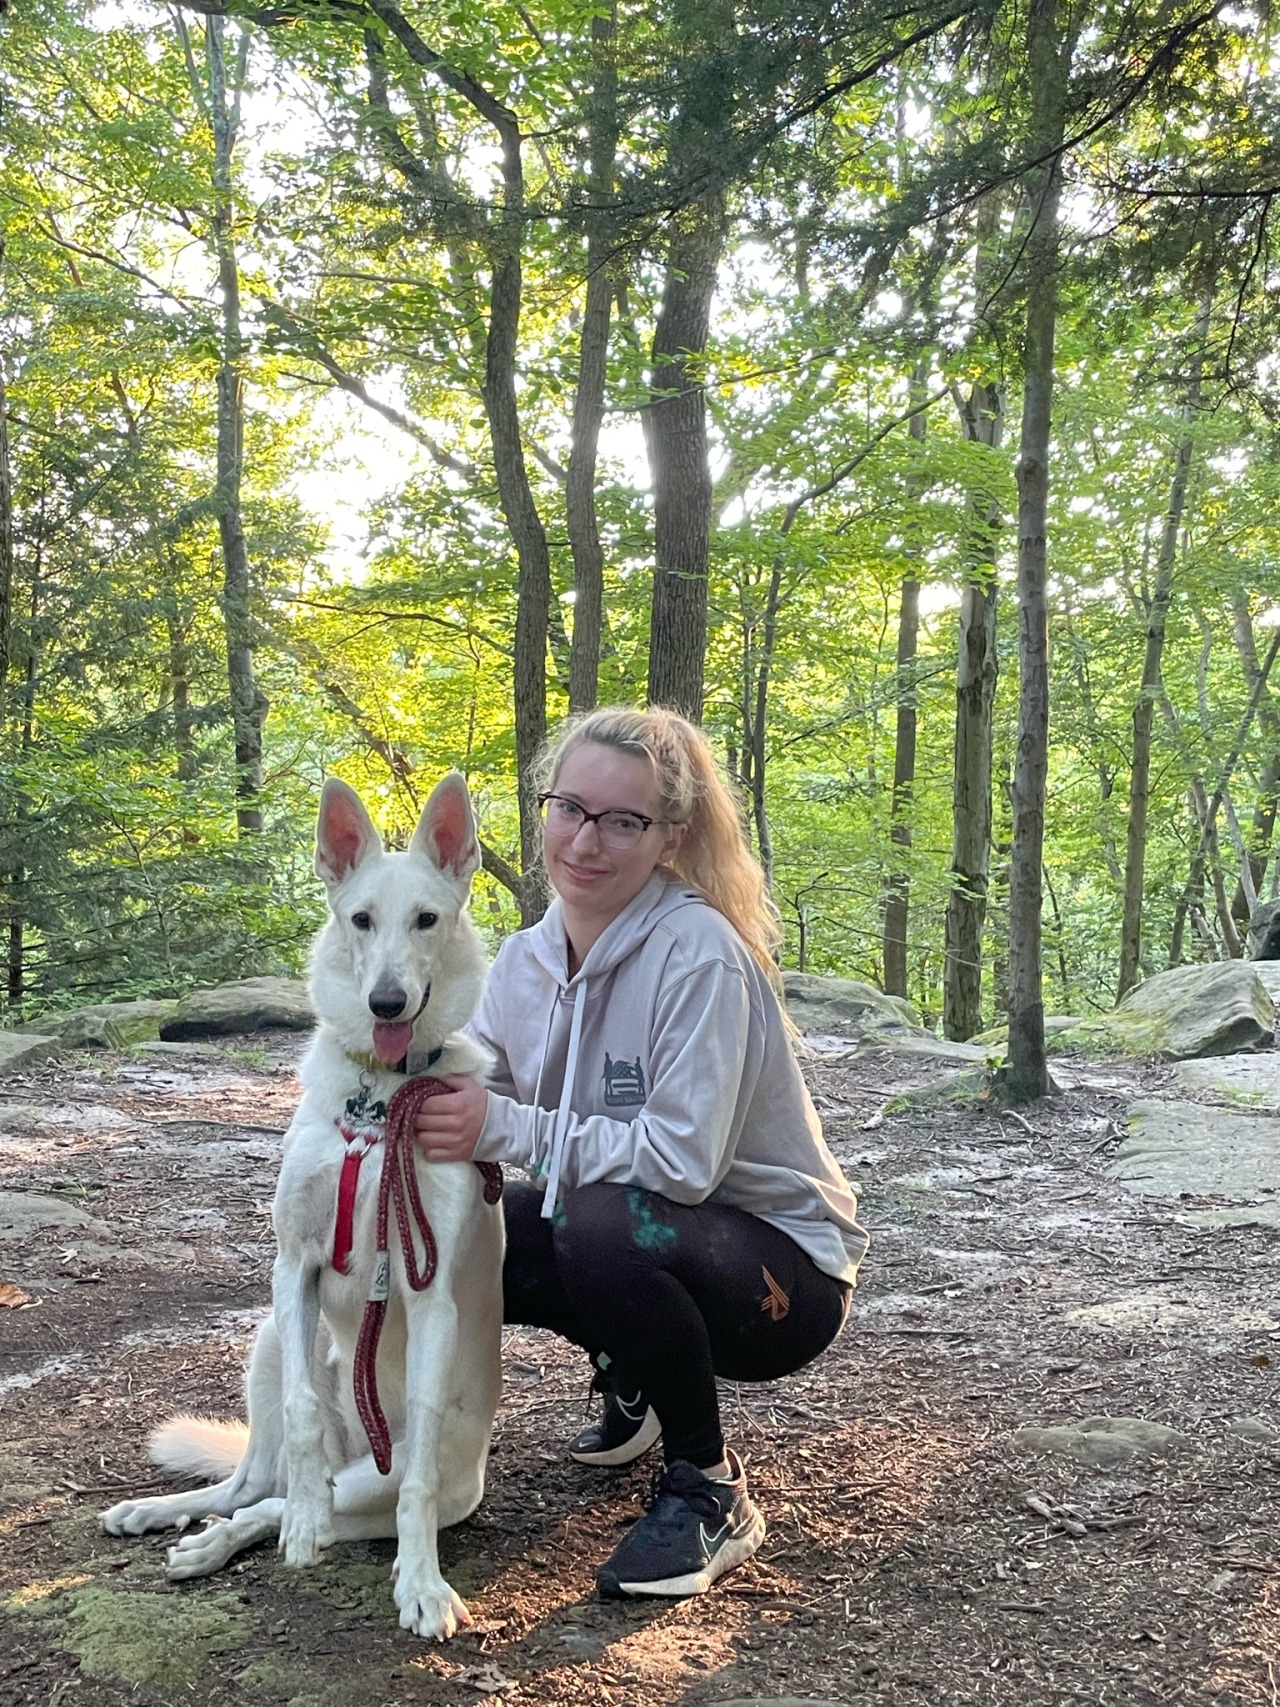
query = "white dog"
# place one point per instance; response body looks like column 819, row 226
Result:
column 395, row 971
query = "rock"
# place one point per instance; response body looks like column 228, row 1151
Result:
column 996, row 1041
column 1264, row 931
column 778, row 1701
column 91, row 1031
column 250, row 1004
column 1258, row 1215
column 1268, row 971
column 1250, row 1083
column 926, row 1047
column 1101, row 1442
column 818, row 1003
column 1155, row 1312
column 1177, row 1148
column 25, row 1212
column 1255, row 1429
column 156, row 1047
column 25, row 1049
column 134, row 1022
column 1190, row 1011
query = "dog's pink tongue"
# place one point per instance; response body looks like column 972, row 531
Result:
column 391, row 1040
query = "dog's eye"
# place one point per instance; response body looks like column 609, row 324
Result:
column 362, row 921
column 426, row 920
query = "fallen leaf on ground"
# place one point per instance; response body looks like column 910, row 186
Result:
column 486, row 1678
column 12, row 1297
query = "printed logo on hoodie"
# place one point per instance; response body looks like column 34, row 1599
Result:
column 624, row 1085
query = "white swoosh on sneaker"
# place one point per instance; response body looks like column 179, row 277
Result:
column 710, row 1542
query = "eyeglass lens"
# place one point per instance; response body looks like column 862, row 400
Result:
column 618, row 829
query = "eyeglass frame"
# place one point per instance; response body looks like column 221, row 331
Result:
column 646, row 822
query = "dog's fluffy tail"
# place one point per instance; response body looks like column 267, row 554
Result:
column 202, row 1448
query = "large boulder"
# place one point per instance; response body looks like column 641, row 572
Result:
column 27, row 1049
column 1190, row 1011
column 835, row 1005
column 1264, row 931
column 1218, row 1009
column 106, row 1025
column 250, row 1004
column 1193, row 1149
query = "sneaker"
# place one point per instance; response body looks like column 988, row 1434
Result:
column 693, row 1532
column 627, row 1429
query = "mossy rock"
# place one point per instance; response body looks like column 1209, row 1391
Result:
column 249, row 1004
column 823, row 1004
column 113, row 1025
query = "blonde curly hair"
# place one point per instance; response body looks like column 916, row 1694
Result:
column 713, row 857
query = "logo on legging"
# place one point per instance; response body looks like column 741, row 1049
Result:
column 623, row 1082
column 776, row 1301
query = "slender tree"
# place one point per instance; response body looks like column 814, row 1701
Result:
column 1157, row 610
column 897, row 908
column 248, row 706
column 1026, row 1073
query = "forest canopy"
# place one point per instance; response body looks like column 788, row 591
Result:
column 893, row 389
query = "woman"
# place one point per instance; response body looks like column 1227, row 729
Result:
column 686, row 1219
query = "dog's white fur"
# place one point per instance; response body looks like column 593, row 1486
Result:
column 303, row 1467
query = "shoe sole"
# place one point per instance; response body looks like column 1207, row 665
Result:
column 646, row 1436
column 728, row 1558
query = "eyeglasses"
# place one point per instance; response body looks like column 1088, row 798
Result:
column 617, row 828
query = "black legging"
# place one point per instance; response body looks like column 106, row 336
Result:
column 675, row 1294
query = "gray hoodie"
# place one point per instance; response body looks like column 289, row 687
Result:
column 665, row 1064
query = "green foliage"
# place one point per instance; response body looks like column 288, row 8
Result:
column 873, row 259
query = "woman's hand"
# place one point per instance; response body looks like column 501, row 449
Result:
column 448, row 1126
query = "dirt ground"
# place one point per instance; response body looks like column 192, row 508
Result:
column 915, row 1553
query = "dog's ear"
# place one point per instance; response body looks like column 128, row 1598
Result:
column 344, row 832
column 446, row 832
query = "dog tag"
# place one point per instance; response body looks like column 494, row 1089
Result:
column 380, row 1284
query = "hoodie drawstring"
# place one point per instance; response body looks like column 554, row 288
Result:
column 565, row 1112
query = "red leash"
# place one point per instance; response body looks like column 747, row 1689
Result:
column 398, row 1184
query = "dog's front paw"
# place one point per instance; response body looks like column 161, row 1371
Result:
column 201, row 1551
column 429, row 1607
column 136, row 1517
column 306, row 1529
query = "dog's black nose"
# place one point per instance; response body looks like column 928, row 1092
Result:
column 387, row 1001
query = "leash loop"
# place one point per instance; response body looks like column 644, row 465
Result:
column 397, row 1185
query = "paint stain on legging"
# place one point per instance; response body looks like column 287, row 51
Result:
column 648, row 1232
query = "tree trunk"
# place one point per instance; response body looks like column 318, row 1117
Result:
column 1025, row 1075
column 6, row 536
column 1157, row 614
column 897, row 905
column 525, row 524
column 677, row 441
column 248, row 707
column 515, row 495
column 16, row 875
column 1264, row 811
column 757, row 674
column 1207, row 843
column 976, row 671
column 588, row 403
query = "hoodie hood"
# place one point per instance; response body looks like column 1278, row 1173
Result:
column 662, row 895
